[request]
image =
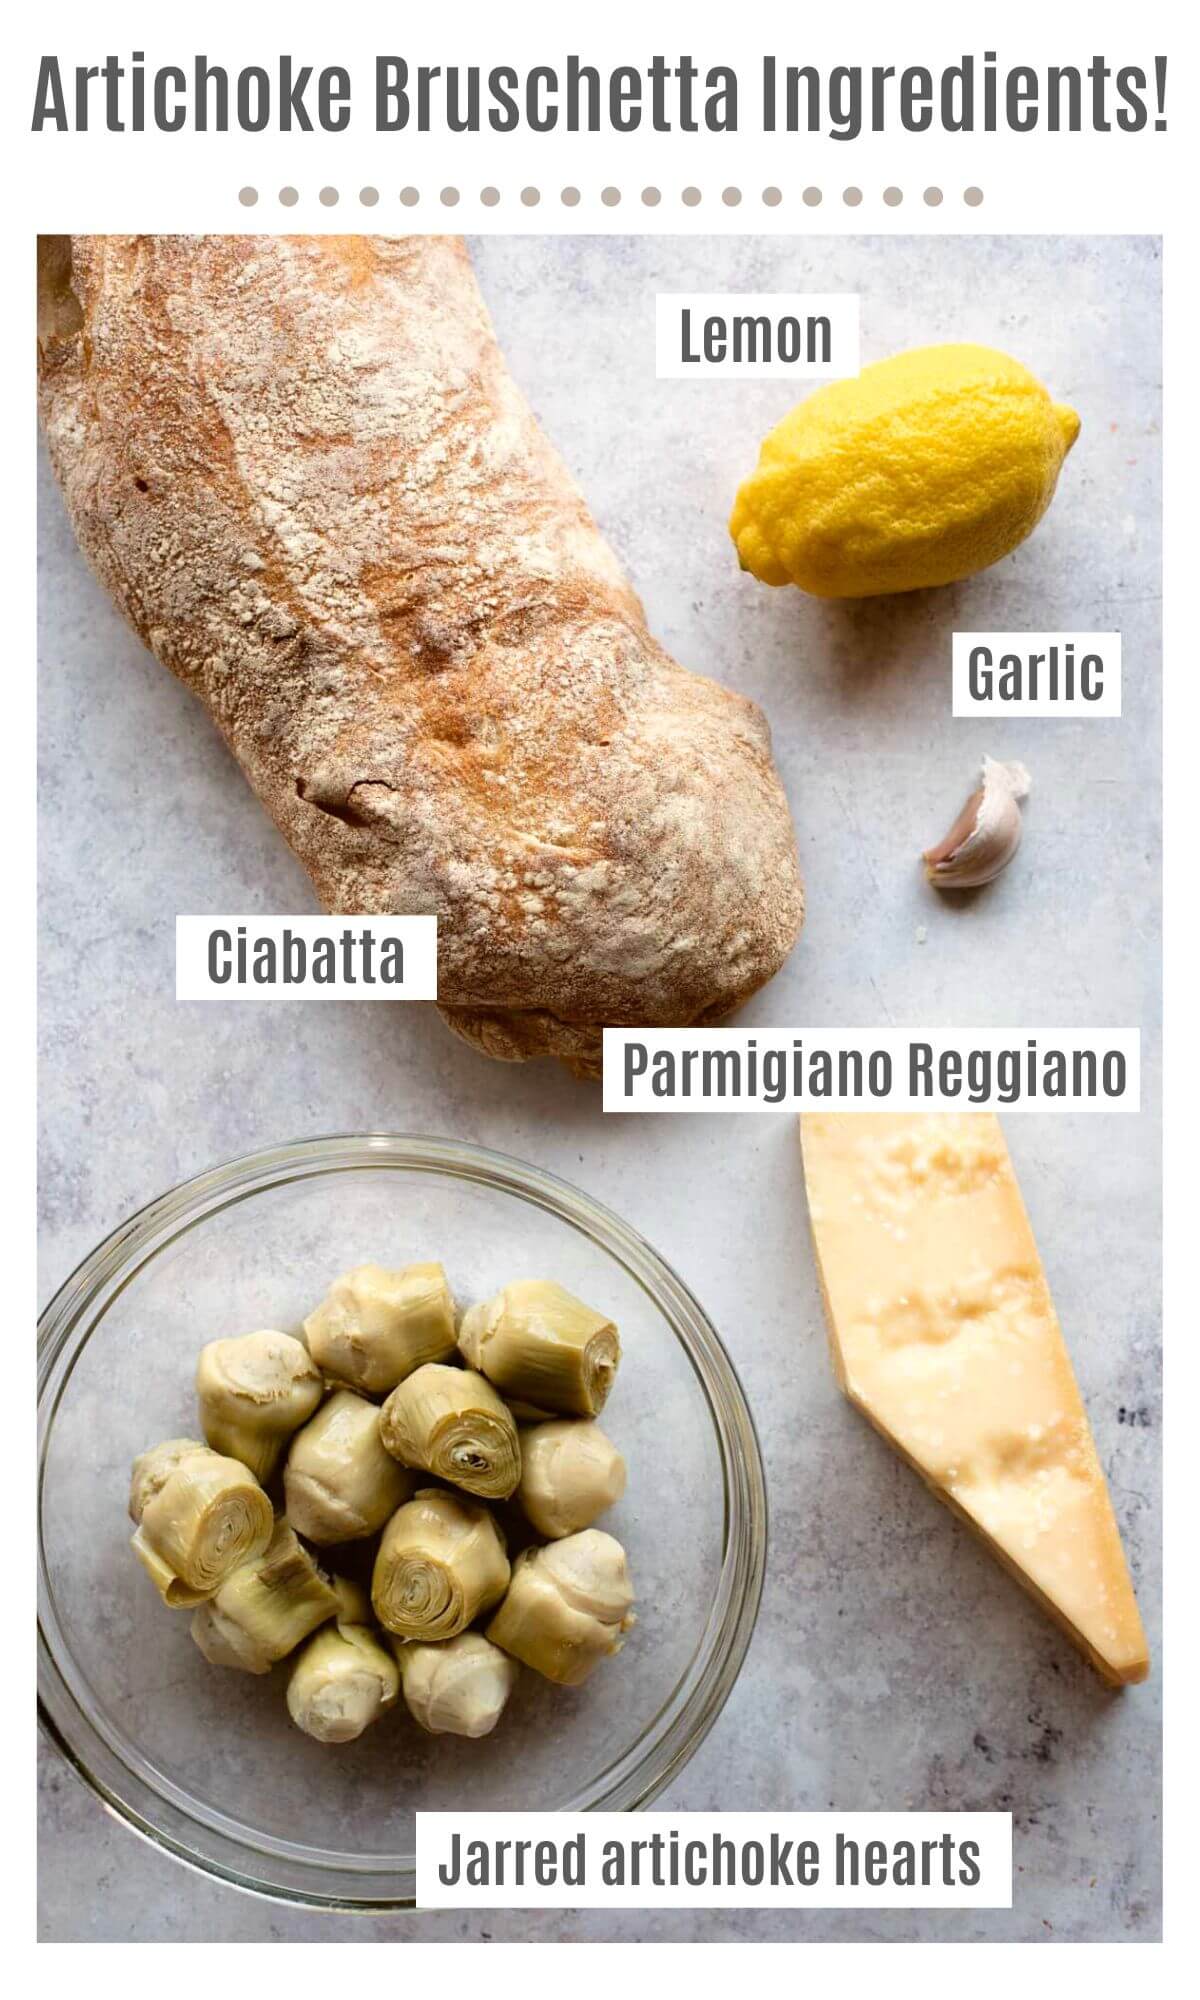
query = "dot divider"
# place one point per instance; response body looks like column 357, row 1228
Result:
column 611, row 197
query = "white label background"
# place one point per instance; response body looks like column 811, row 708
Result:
column 991, row 1831
column 839, row 308
column 1106, row 644
column 895, row 1042
column 418, row 935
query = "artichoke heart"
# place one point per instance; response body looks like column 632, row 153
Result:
column 200, row 1523
column 253, row 1393
column 354, row 1603
column 460, row 1688
column 568, row 1607
column 374, row 1327
column 342, row 1682
column 451, row 1422
column 541, row 1346
column 441, row 1563
column 339, row 1481
column 153, row 1468
column 570, row 1472
column 263, row 1611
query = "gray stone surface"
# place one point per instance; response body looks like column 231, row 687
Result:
column 893, row 1665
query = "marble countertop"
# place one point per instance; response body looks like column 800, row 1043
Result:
column 893, row 1664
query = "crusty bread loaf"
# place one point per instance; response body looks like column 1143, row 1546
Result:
column 303, row 470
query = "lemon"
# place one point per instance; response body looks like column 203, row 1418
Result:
column 921, row 470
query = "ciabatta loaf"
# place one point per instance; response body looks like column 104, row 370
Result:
column 303, row 470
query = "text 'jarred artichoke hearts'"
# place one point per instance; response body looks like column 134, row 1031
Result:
column 570, row 1472
column 440, row 1564
column 263, row 1611
column 460, row 1688
column 254, row 1392
column 344, row 1679
column 339, row 1481
column 568, row 1606
column 541, row 1346
column 375, row 1326
column 199, row 1523
column 451, row 1422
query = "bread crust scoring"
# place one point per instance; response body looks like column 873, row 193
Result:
column 302, row 469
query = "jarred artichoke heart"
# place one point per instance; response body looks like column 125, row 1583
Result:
column 207, row 1517
column 375, row 1326
column 570, row 1473
column 341, row 1484
column 451, row 1422
column 441, row 1563
column 342, row 1682
column 541, row 1346
column 568, row 1607
column 254, row 1391
column 263, row 1611
column 458, row 1688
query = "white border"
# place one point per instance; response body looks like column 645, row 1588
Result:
column 1083, row 184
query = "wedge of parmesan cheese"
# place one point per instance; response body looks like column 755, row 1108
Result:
column 945, row 1336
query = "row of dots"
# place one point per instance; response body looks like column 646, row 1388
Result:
column 650, row 197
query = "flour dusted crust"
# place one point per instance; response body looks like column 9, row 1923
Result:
column 303, row 470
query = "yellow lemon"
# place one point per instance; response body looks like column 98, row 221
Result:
column 922, row 470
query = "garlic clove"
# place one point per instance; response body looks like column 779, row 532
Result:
column 986, row 834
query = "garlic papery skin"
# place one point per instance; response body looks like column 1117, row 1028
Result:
column 460, row 1688
column 987, row 832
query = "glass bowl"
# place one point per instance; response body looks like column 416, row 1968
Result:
column 203, row 1761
